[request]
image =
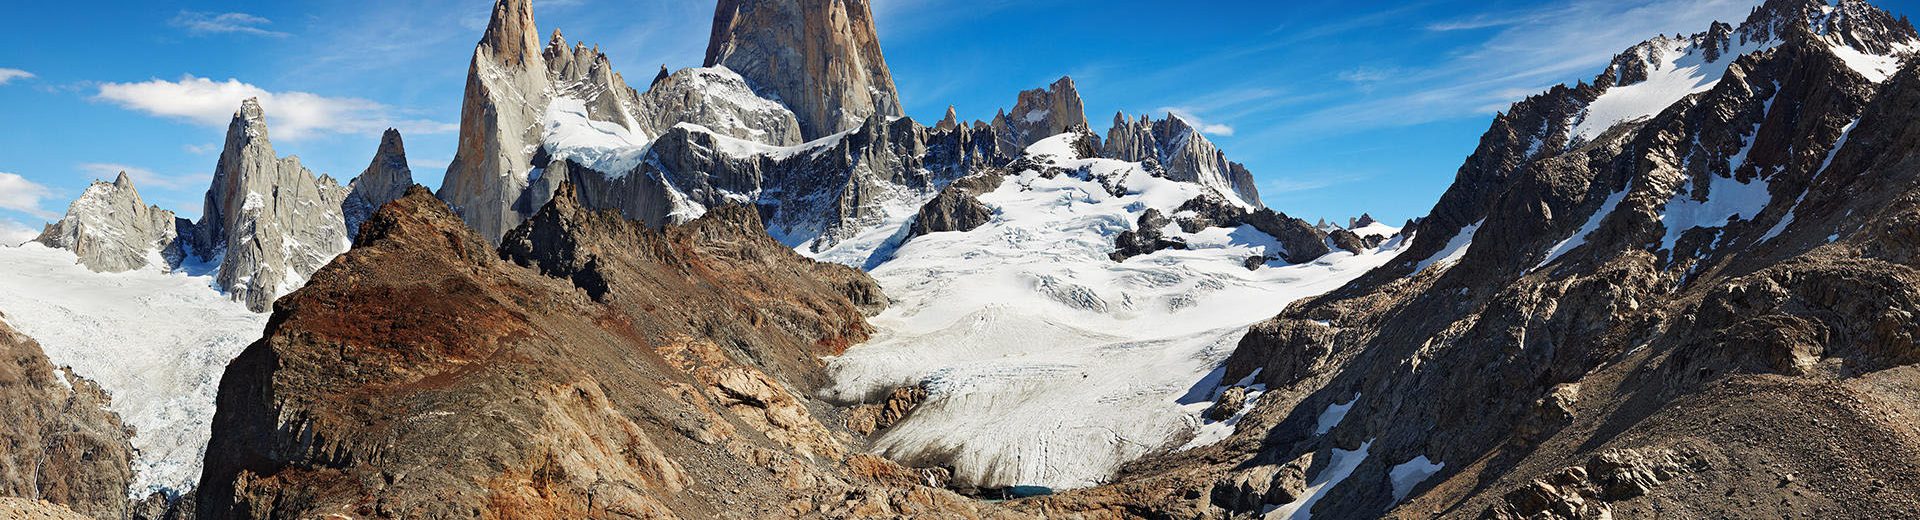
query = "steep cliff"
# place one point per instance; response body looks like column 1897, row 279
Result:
column 268, row 220
column 820, row 58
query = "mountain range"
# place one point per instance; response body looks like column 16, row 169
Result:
column 757, row 289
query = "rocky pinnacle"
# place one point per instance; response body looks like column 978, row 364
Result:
column 269, row 220
column 820, row 57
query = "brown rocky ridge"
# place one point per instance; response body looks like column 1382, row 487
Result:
column 590, row 367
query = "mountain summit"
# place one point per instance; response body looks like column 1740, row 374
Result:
column 819, row 57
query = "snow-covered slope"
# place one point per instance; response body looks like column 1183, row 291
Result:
column 1048, row 363
column 156, row 341
column 1675, row 68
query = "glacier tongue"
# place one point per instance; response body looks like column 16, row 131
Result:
column 1048, row 363
column 158, row 342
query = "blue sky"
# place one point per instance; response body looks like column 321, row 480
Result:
column 1338, row 107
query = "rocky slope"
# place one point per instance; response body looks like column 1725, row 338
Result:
column 821, row 58
column 1695, row 311
column 591, row 367
column 268, row 220
column 58, row 442
column 112, row 230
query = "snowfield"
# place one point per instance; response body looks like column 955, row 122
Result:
column 158, row 342
column 1048, row 363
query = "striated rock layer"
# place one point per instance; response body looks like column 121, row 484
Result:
column 591, row 367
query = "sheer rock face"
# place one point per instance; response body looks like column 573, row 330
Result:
column 1698, row 313
column 591, row 367
column 58, row 441
column 1041, row 113
column 720, row 100
column 112, row 230
column 269, row 220
column 1184, row 154
column 507, row 93
column 385, row 180
column 819, row 57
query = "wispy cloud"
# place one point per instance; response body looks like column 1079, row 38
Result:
column 291, row 115
column 22, row 195
column 1297, row 184
column 1367, row 74
column 145, row 178
column 8, row 75
column 13, row 233
column 1483, row 21
column 1532, row 50
column 1200, row 124
column 203, row 23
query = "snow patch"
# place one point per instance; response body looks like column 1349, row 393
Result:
column 609, row 148
column 1339, row 466
column 1727, row 200
column 1676, row 69
column 1410, row 474
column 1580, row 237
column 1454, row 250
column 1333, row 416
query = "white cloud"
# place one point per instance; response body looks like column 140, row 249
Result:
column 290, row 115
column 201, row 149
column 22, row 195
column 1197, row 122
column 8, row 75
column 13, row 233
column 200, row 23
column 145, row 179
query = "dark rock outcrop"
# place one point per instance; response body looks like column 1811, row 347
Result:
column 957, row 207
